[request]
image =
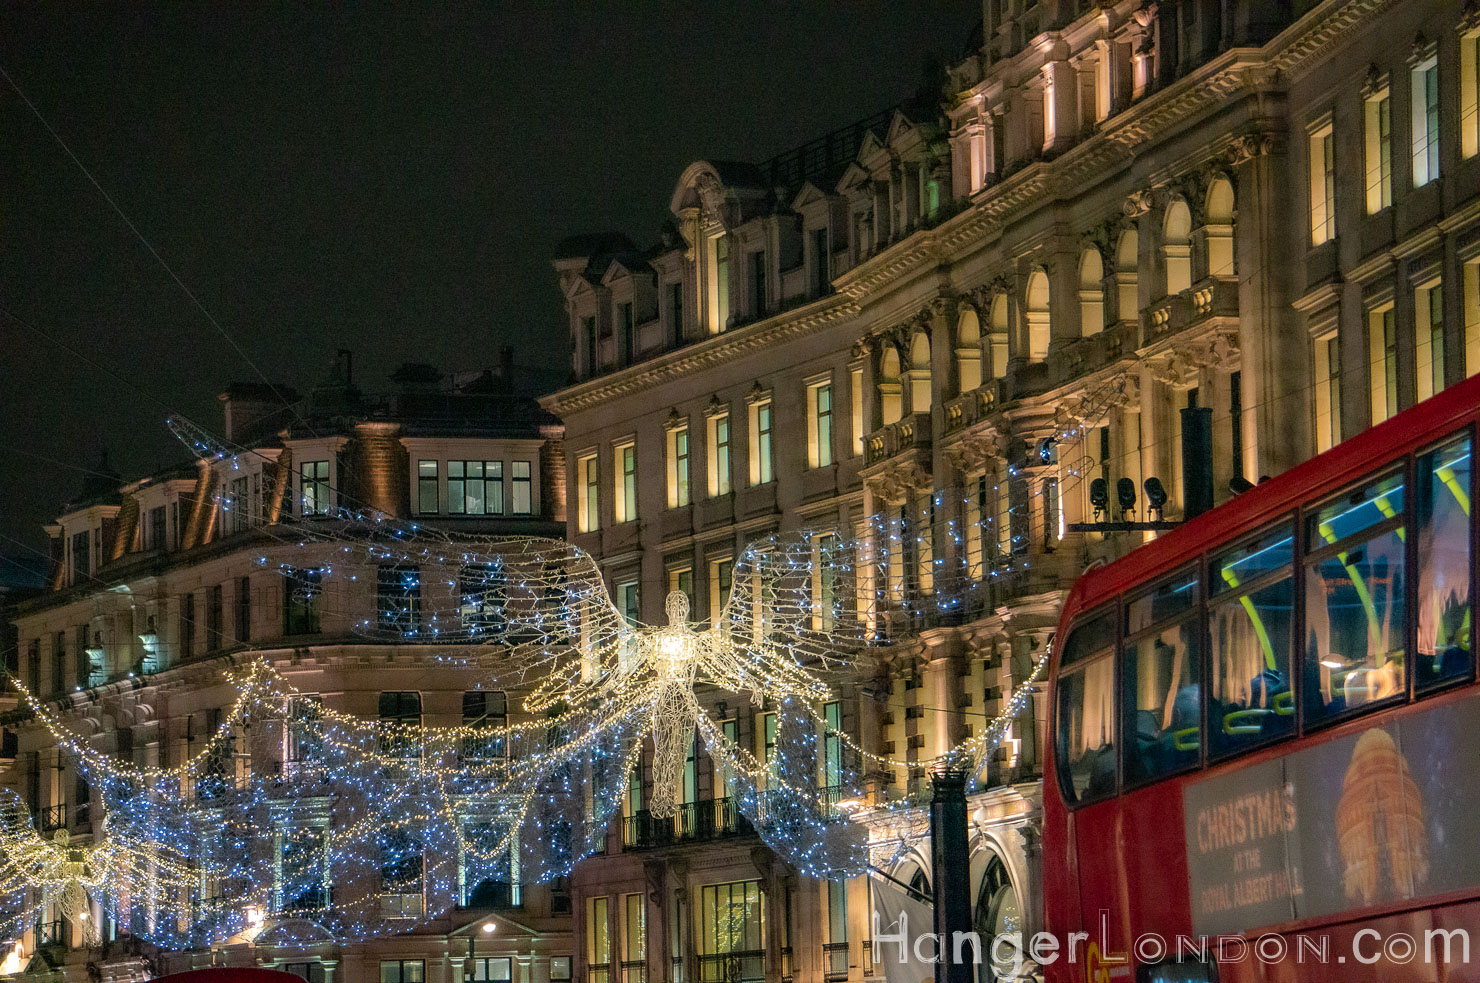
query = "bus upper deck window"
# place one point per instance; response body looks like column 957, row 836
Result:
column 1252, row 599
column 1168, row 599
column 1442, row 497
column 1161, row 681
column 1355, row 617
column 1085, row 728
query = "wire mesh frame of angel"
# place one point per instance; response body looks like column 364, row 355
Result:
column 37, row 873
column 773, row 640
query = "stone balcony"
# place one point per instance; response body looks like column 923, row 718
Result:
column 891, row 440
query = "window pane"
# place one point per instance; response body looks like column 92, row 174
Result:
column 1163, row 723
column 1273, row 550
column 390, row 972
column 1166, row 600
column 1355, row 513
column 413, row 971
column 1251, row 700
column 1355, row 625
column 1444, row 630
column 1092, row 637
column 1086, row 749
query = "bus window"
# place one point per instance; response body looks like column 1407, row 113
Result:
column 1093, row 636
column 1086, row 720
column 1163, row 702
column 1167, row 599
column 1355, row 620
column 1443, row 500
column 1249, row 615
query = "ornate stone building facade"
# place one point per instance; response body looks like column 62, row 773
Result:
column 936, row 329
column 161, row 585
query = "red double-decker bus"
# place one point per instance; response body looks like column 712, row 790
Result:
column 1265, row 753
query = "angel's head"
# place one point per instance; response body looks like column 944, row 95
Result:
column 677, row 606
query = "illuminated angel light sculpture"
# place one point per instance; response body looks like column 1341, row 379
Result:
column 38, row 873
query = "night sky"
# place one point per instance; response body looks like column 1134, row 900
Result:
column 392, row 181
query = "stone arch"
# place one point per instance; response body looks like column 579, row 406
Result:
column 1176, row 247
column 1036, row 314
column 1218, row 227
column 920, row 372
column 968, row 350
column 890, row 388
column 997, row 325
column 1091, row 292
column 1127, row 275
column 997, row 910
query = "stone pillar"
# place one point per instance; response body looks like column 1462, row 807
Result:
column 1060, row 106
column 1272, row 336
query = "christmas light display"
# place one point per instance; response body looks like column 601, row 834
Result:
column 331, row 823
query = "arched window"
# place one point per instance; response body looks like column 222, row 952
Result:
column 1036, row 314
column 997, row 916
column 1219, row 228
column 1091, row 293
column 969, row 351
column 997, row 321
column 920, row 373
column 889, row 386
column 1176, row 248
column 1127, row 278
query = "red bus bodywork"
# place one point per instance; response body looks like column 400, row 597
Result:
column 1119, row 868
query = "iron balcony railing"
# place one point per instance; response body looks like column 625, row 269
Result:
column 707, row 819
column 748, row 966
column 835, row 962
column 50, row 818
column 634, row 971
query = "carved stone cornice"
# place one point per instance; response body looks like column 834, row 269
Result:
column 899, row 479
column 976, row 450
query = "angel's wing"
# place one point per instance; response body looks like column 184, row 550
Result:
column 793, row 606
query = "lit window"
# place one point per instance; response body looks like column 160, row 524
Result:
column 720, row 573
column 1469, row 95
column 588, row 494
column 681, row 579
column 824, row 586
column 719, row 454
column 678, row 467
column 1425, row 86
column 1328, row 392
column 1378, row 141
column 598, row 935
column 427, row 490
column 313, row 487
column 760, row 442
column 1428, row 327
column 820, row 424
column 855, row 409
column 1322, row 185
column 1382, row 348
column 624, row 504
column 521, row 492
column 1472, row 317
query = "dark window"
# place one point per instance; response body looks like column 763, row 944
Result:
column 496, row 969
column 59, row 662
column 403, row 971
column 310, row 972
column 156, row 529
column 81, row 660
column 675, row 313
column 33, row 667
column 243, row 609
column 588, row 334
column 398, row 598
column 81, row 555
column 821, row 273
column 400, row 718
column 400, row 862
column 302, row 601
column 758, row 283
column 487, row 713
column 303, row 870
column 215, row 615
column 187, row 625
column 627, row 331
column 484, row 593
column 1355, row 616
